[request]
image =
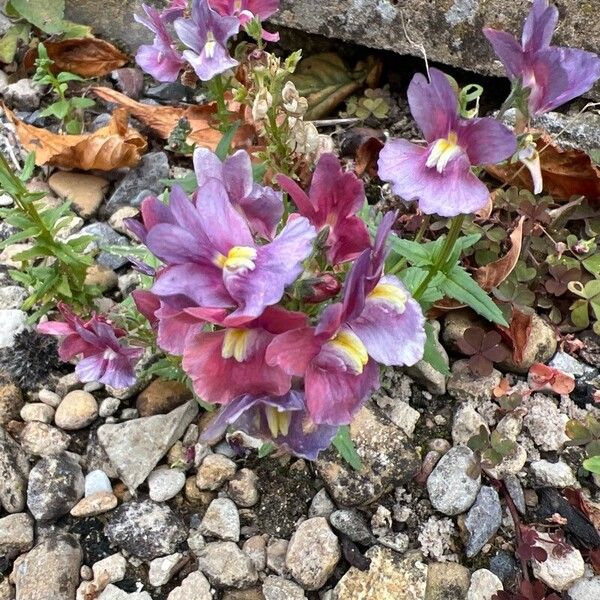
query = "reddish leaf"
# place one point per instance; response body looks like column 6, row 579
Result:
column 517, row 333
column 544, row 378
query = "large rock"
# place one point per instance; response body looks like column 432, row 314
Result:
column 50, row 571
column 135, row 447
column 14, row 469
column 388, row 460
column 448, row 30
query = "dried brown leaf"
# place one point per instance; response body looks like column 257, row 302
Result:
column 566, row 172
column 111, row 147
column 493, row 274
column 517, row 333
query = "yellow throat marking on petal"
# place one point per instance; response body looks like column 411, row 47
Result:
column 351, row 346
column 443, row 151
column 236, row 344
column 390, row 294
column 237, row 5
column 278, row 421
column 238, row 257
column 210, row 45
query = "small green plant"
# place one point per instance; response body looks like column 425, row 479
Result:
column 492, row 448
column 586, row 432
column 373, row 103
column 67, row 110
column 52, row 270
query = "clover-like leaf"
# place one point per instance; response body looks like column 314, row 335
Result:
column 484, row 348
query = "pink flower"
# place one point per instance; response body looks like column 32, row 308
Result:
column 246, row 10
column 334, row 198
column 105, row 358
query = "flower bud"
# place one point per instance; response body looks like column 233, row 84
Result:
column 293, row 103
column 262, row 102
column 319, row 288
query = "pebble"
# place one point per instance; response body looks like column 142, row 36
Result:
column 165, row 484
column 467, row 423
column 451, row 488
column 559, row 572
column 515, row 489
column 425, row 374
column 16, row 535
column 37, row 411
column 77, row 410
column 94, row 505
column 313, row 553
column 97, row 481
column 163, row 569
column 41, row 439
column 85, row 191
column 558, row 474
column 465, row 387
column 135, row 447
column 483, row 520
column 214, row 471
column 504, row 565
column 112, row 568
column 11, row 401
column 511, row 464
column 50, row 570
column 102, row 277
column 226, row 565
column 6, row 590
column 353, row 524
column 484, row 584
column 221, row 520
column 14, row 467
column 106, row 236
column 12, row 321
column 510, row 426
column 585, row 589
column 276, row 553
column 68, row 383
column 12, row 296
column 49, row 397
column 279, row 588
column 195, row 541
column 321, row 505
column 112, row 592
column 56, row 484
column 569, row 364
column 109, row 406
column 194, row 587
column 447, row 580
column 146, row 529
column 255, row 547
column 388, row 577
column 161, row 397
column 23, row 95
column 242, row 488
column 117, row 220
column 545, row 422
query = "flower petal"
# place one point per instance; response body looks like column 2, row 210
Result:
column 539, row 26
column 293, row 350
column 486, row 140
column 91, row 368
column 507, row 49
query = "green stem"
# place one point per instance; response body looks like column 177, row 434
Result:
column 217, row 87
column 449, row 243
column 422, row 229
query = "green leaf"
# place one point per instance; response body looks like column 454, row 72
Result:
column 78, row 102
column 188, row 182
column 73, row 127
column 28, row 167
column 266, row 449
column 46, row 15
column 578, row 432
column 417, row 254
column 10, row 40
column 65, row 76
column 75, row 30
column 432, row 355
column 224, row 146
column 345, row 447
column 592, row 464
column 414, row 276
column 459, row 285
column 580, row 314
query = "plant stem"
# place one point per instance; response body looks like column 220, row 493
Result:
column 217, row 88
column 449, row 243
column 422, row 229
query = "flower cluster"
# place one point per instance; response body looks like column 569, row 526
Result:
column 198, row 39
column 281, row 319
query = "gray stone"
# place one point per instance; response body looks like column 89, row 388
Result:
column 276, row 552
column 425, row 374
column 545, row 422
column 165, row 484
column 12, row 296
column 12, row 321
column 313, row 553
column 255, row 547
column 146, row 529
column 279, row 588
column 353, row 524
column 515, row 489
column 14, row 469
column 106, row 236
column 111, row 568
column 226, row 565
column 16, row 535
column 399, row 412
column 108, row 407
column 194, row 587
column 388, row 458
column 585, row 589
column 23, row 95
column 144, row 178
column 447, row 581
column 483, row 520
column 56, row 484
column 135, row 447
column 484, row 584
column 163, row 569
column 50, row 571
column 49, row 397
column 467, row 423
column 451, row 487
column 112, row 592
column 567, row 363
column 466, row 387
column 7, row 592
column 221, row 520
column 558, row 474
column 41, row 439
column 242, row 488
column 321, row 505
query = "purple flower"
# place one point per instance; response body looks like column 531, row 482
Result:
column 283, row 420
column 105, row 359
column 212, row 259
column 160, row 59
column 376, row 322
column 246, row 10
column 261, row 205
column 334, row 198
column 439, row 175
column 553, row 74
column 206, row 34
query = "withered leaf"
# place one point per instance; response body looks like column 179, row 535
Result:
column 86, row 56
column 111, row 147
column 566, row 172
column 493, row 274
column 517, row 333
